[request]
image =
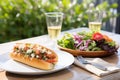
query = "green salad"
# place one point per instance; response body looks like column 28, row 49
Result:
column 87, row 41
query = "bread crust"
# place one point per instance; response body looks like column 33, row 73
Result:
column 34, row 62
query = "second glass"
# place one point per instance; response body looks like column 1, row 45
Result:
column 54, row 24
column 95, row 20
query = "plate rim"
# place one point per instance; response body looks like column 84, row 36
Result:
column 44, row 71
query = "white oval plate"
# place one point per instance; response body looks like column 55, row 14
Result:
column 64, row 60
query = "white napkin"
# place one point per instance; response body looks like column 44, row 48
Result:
column 110, row 67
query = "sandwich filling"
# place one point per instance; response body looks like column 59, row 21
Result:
column 35, row 51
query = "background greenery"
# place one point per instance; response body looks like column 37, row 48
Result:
column 21, row 19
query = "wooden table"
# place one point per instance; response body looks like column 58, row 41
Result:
column 73, row 72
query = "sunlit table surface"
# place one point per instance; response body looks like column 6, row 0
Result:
column 72, row 72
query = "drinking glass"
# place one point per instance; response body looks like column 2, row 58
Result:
column 95, row 20
column 54, row 24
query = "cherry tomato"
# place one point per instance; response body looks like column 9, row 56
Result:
column 97, row 36
column 26, row 48
column 50, row 56
column 37, row 51
column 51, row 60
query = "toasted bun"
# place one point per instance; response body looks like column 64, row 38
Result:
column 86, row 53
column 34, row 62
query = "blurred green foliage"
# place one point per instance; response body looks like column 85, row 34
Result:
column 21, row 19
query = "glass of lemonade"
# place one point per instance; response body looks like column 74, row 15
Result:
column 95, row 20
column 54, row 24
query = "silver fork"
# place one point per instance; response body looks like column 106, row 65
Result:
column 99, row 66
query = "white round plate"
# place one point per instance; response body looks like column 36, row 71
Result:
column 64, row 60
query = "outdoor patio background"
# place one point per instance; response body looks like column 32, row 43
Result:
column 20, row 19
